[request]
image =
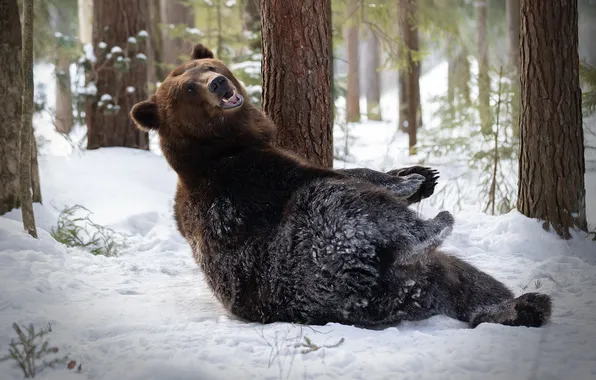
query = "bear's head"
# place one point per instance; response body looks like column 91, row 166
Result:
column 201, row 99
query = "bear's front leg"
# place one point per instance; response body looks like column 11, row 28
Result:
column 403, row 186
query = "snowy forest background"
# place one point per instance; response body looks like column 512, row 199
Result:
column 431, row 82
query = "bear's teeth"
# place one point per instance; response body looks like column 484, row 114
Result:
column 232, row 99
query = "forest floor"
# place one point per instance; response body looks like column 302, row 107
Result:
column 148, row 314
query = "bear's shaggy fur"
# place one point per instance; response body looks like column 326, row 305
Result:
column 279, row 239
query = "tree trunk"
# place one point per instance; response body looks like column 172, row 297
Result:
column 410, row 83
column 458, row 78
column 64, row 111
column 513, row 8
column 551, row 165
column 252, row 24
column 352, row 40
column 26, row 122
column 86, row 21
column 35, row 182
column 402, row 85
column 513, row 33
column 297, row 76
column 175, row 12
column 483, row 74
column 373, row 79
column 11, row 84
column 107, row 119
column 219, row 34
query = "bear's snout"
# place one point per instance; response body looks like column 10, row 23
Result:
column 220, row 85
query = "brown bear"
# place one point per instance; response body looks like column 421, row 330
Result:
column 279, row 239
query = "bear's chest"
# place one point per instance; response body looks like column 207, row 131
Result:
column 224, row 218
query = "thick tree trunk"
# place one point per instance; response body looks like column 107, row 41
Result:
column 176, row 12
column 86, row 21
column 352, row 41
column 11, row 85
column 108, row 122
column 410, row 82
column 483, row 69
column 297, row 76
column 64, row 111
column 25, row 179
column 252, row 23
column 551, row 167
column 373, row 78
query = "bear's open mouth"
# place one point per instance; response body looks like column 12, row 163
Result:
column 231, row 99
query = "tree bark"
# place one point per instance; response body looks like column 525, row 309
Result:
column 11, row 84
column 25, row 173
column 35, row 181
column 297, row 76
column 373, row 79
column 410, row 82
column 176, row 12
column 86, row 21
column 64, row 119
column 108, row 122
column 352, row 41
column 483, row 69
column 551, row 166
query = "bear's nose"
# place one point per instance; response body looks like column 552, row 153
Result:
column 219, row 85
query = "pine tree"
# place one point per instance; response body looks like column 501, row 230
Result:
column 119, row 73
column 297, row 58
column 551, row 167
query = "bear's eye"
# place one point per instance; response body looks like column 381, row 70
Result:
column 191, row 88
column 211, row 68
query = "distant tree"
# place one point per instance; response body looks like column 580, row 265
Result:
column 85, row 10
column 352, row 41
column 11, row 85
column 251, row 25
column 458, row 78
column 409, row 96
column 551, row 167
column 27, row 141
column 155, row 62
column 61, row 20
column 179, row 14
column 483, row 68
column 119, row 73
column 296, row 39
column 373, row 77
column 513, row 25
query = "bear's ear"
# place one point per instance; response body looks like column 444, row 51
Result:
column 145, row 115
column 199, row 52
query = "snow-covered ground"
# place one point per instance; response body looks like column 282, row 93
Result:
column 148, row 314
